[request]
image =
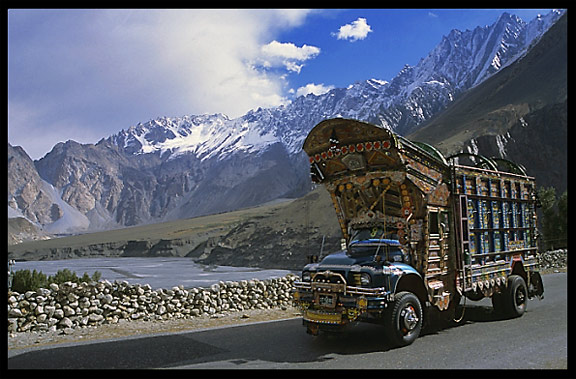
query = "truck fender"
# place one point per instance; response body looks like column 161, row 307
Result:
column 518, row 269
column 412, row 282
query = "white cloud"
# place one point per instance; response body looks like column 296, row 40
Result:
column 290, row 51
column 311, row 88
column 357, row 30
column 275, row 54
column 104, row 70
column 206, row 55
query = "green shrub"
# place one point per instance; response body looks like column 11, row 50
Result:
column 26, row 280
column 94, row 278
column 63, row 276
column 554, row 218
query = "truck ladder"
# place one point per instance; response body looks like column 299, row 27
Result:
column 463, row 247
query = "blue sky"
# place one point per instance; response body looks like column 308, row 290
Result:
column 85, row 74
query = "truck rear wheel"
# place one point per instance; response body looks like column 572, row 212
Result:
column 514, row 300
column 404, row 320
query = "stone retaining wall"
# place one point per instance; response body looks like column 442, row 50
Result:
column 553, row 259
column 72, row 305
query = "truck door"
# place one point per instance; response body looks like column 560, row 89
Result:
column 438, row 238
column 438, row 269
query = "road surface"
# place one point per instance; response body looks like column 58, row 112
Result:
column 539, row 339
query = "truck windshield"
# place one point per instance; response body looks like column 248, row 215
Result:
column 369, row 242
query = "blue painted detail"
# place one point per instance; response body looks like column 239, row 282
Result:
column 406, row 269
column 376, row 241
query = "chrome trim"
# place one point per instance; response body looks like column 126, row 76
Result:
column 380, row 291
column 331, row 267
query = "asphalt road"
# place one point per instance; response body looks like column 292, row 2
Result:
column 539, row 339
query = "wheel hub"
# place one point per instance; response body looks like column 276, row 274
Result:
column 520, row 297
column 409, row 318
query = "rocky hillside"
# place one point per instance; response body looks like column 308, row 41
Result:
column 29, row 193
column 20, row 230
column 279, row 235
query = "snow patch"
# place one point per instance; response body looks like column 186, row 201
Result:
column 472, row 147
column 501, row 142
column 523, row 122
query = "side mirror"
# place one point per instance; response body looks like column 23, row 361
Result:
column 312, row 258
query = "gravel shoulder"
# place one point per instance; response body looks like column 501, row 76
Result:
column 136, row 328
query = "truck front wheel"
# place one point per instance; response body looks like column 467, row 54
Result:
column 404, row 319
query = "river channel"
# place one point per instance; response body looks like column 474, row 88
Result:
column 157, row 272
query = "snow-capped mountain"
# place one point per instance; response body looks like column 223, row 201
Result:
column 170, row 168
column 459, row 62
column 204, row 136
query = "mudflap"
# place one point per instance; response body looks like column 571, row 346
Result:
column 312, row 328
column 535, row 286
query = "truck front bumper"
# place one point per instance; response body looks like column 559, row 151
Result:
column 337, row 304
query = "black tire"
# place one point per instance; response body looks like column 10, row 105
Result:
column 475, row 296
column 404, row 320
column 515, row 297
column 498, row 303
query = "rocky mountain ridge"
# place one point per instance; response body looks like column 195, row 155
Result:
column 518, row 114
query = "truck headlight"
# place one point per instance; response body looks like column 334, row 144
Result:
column 306, row 276
column 365, row 279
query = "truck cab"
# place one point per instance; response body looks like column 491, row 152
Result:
column 358, row 283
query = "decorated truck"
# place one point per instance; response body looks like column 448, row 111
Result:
column 420, row 232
